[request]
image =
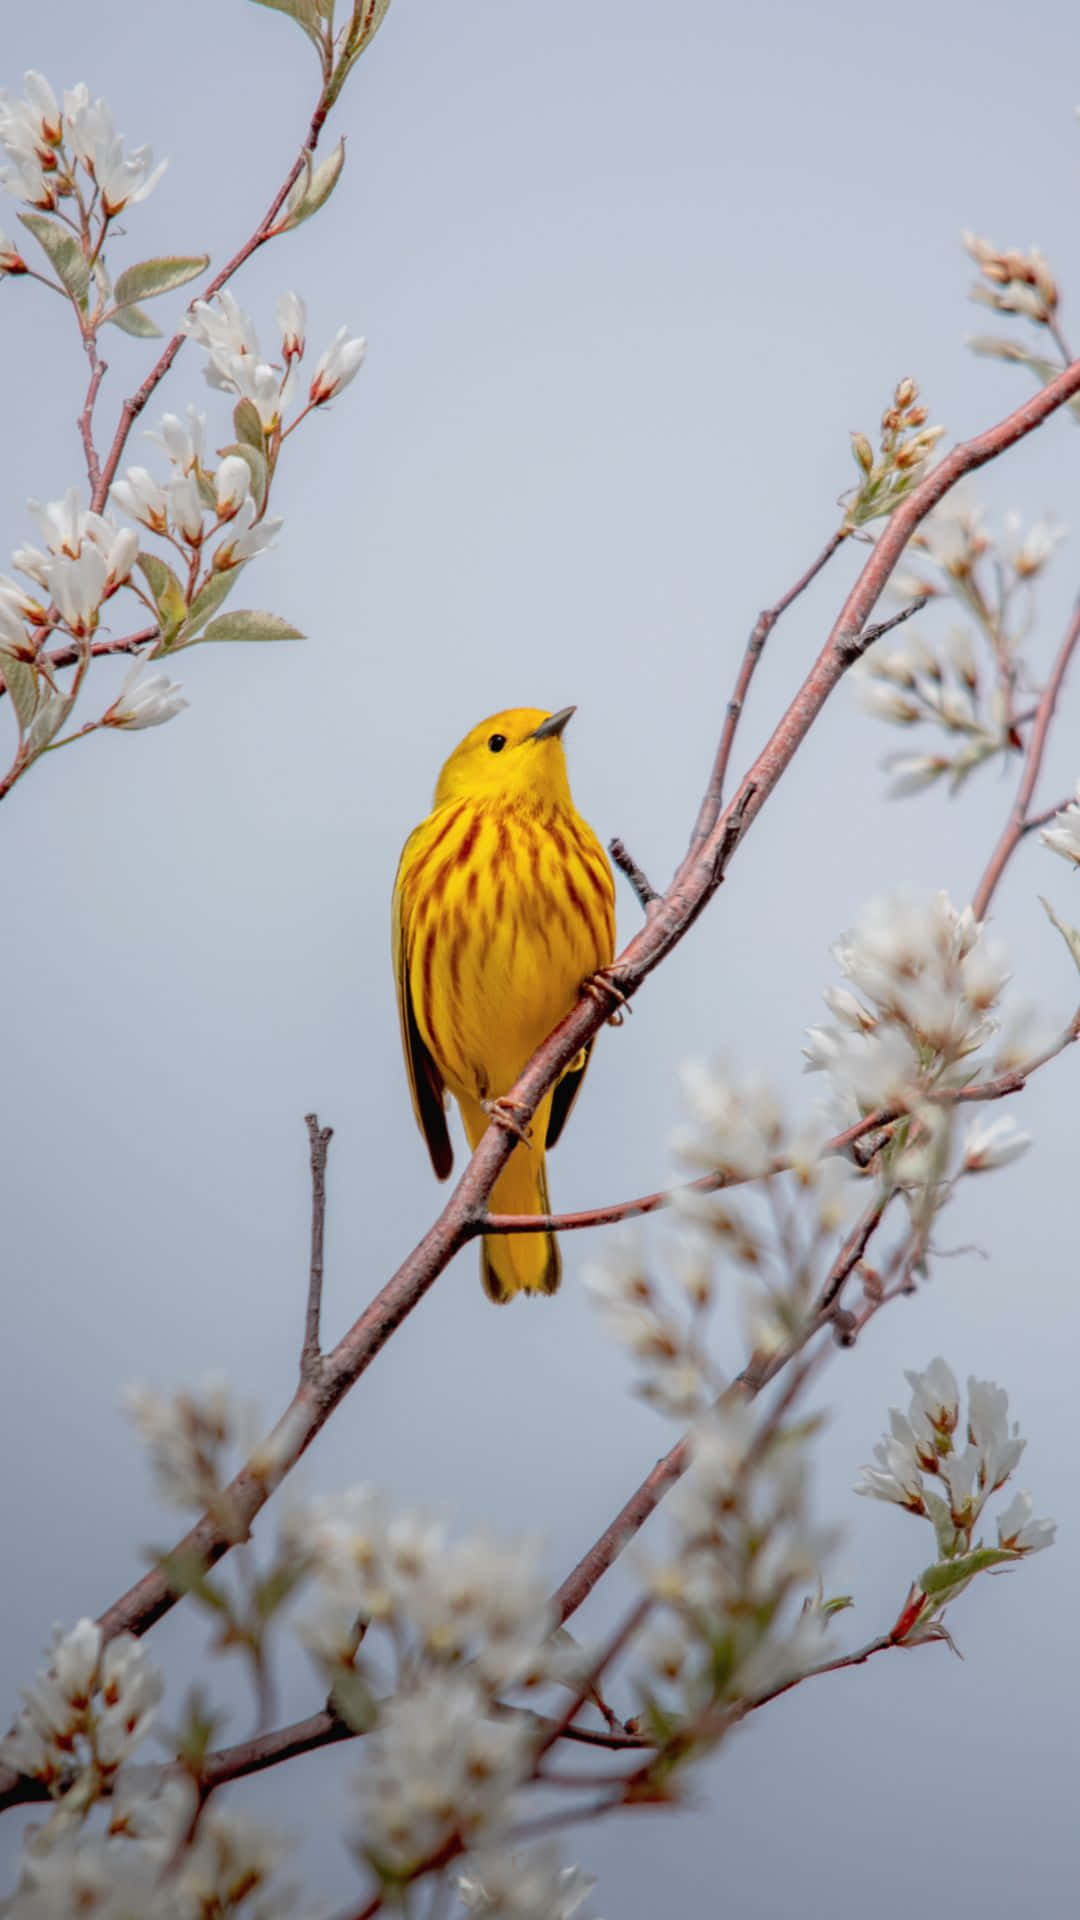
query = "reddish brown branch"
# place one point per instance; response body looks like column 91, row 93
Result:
column 1018, row 822
column 68, row 656
column 755, row 646
column 133, row 406
column 319, row 1139
column 642, row 886
column 98, row 370
column 693, row 885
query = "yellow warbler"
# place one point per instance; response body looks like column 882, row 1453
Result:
column 503, row 906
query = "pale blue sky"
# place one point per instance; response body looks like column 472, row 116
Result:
column 629, row 275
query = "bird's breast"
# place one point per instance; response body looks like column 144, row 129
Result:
column 506, row 912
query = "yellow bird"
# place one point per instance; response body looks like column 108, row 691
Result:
column 504, row 905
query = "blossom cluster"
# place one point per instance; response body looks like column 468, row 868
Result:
column 944, row 1469
column 44, row 145
column 1063, row 834
column 523, row 1886
column 905, row 446
column 86, row 1712
column 963, row 686
column 922, row 992
column 1013, row 282
column 737, row 1612
column 149, row 1861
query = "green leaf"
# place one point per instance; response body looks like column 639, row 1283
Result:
column 185, row 1572
column 168, row 595
column 944, row 1531
column 990, row 347
column 248, row 427
column 206, row 490
column 306, row 13
column 950, row 1574
column 367, row 18
column 1070, row 935
column 63, row 250
column 256, row 466
column 206, row 602
column 48, row 720
column 134, row 320
column 149, row 277
column 21, row 682
column 352, row 1699
column 243, row 625
column 312, row 189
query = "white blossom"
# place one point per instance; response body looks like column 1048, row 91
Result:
column 735, row 1127
column 246, row 536
column 11, row 260
column 993, row 1143
column 185, row 1434
column 140, row 495
column 436, row 1764
column 30, row 130
column 235, row 363
column 232, row 485
column 1016, row 1528
column 185, row 445
column 186, row 507
column 895, row 1478
column 1063, row 835
column 292, row 321
column 78, row 587
column 145, row 703
column 122, row 178
column 523, row 1886
column 339, row 364
column 87, row 1708
column 999, row 1445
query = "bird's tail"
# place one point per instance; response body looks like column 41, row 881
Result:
column 517, row 1262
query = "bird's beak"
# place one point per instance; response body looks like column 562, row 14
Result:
column 551, row 728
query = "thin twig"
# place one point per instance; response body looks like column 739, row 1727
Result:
column 645, row 891
column 133, row 406
column 98, row 370
column 1017, row 823
column 319, row 1139
column 755, row 646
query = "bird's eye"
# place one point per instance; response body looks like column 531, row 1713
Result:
column 497, row 742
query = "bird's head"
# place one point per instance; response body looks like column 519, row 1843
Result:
column 517, row 755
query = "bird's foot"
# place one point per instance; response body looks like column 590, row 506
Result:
column 507, row 1113
column 604, row 988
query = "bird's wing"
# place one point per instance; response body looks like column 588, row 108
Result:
column 425, row 1080
column 564, row 1096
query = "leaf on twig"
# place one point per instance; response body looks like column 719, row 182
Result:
column 64, row 252
column 148, row 277
column 206, row 602
column 1070, row 935
column 312, row 189
column 949, row 1575
column 168, row 596
column 48, row 721
column 244, row 625
column 248, row 427
column 308, row 14
column 132, row 319
column 1019, row 355
column 21, row 682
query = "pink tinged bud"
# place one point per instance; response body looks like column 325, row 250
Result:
column 232, row 485
column 11, row 260
column 337, row 366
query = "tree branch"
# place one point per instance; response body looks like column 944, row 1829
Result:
column 1017, row 823
column 319, row 1139
column 645, row 891
column 133, row 406
column 755, row 646
column 693, row 885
